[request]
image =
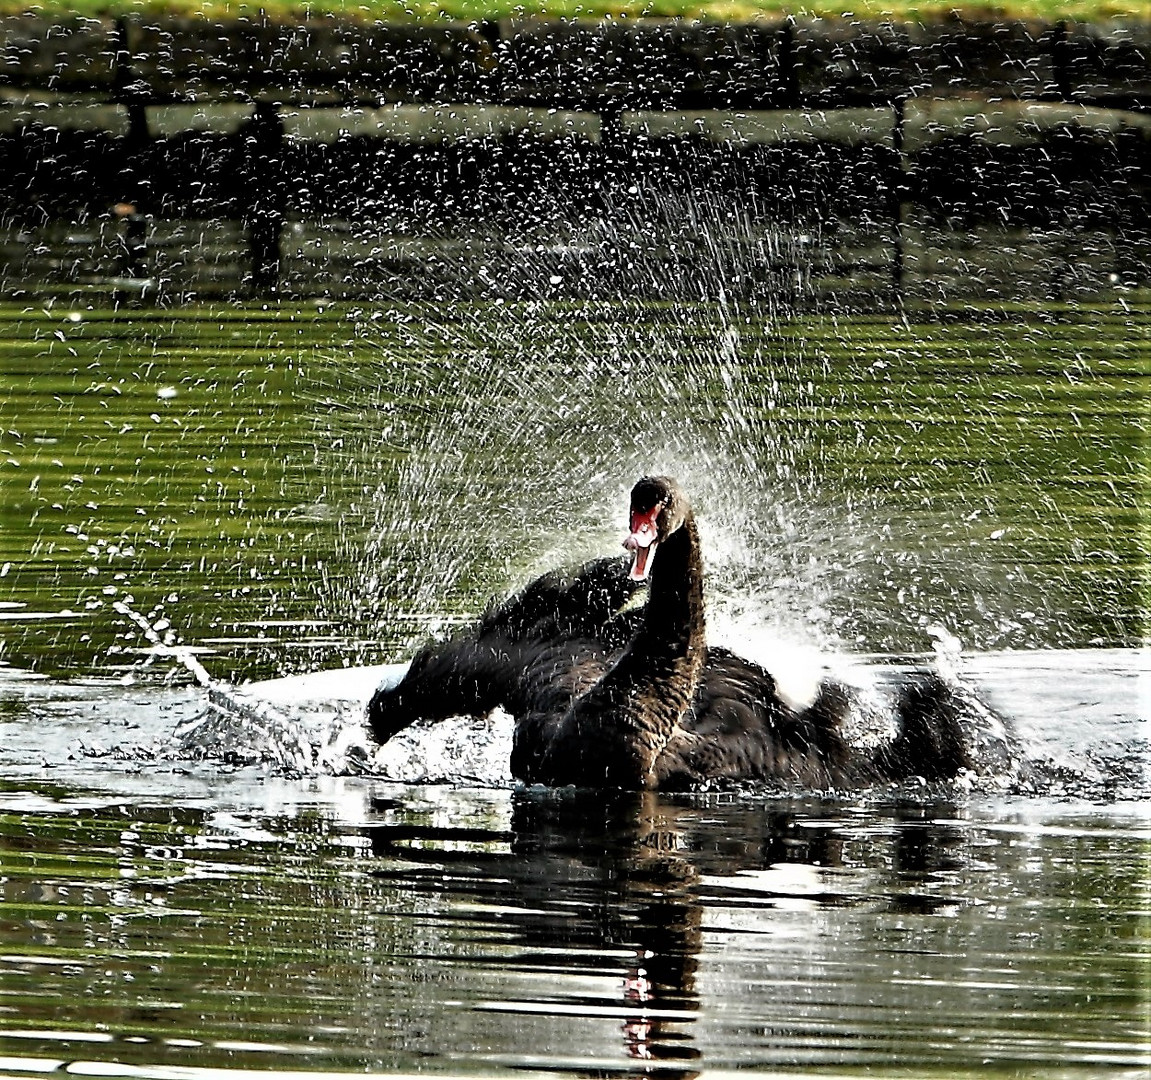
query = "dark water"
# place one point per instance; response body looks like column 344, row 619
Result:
column 351, row 925
column 276, row 491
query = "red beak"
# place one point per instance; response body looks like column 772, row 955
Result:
column 642, row 541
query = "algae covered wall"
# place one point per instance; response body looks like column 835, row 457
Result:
column 168, row 157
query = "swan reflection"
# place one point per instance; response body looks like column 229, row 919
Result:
column 624, row 894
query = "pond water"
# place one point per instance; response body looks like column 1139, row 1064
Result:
column 275, row 493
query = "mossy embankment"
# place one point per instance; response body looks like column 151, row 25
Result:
column 709, row 10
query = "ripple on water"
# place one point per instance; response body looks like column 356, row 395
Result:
column 350, row 924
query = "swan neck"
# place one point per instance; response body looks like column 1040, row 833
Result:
column 615, row 733
column 675, row 609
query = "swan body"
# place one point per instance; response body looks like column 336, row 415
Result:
column 610, row 695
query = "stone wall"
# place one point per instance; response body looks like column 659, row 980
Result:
column 620, row 64
column 182, row 157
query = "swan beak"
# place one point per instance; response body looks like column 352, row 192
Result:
column 641, row 558
column 642, row 542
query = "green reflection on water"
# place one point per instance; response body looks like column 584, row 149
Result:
column 291, row 486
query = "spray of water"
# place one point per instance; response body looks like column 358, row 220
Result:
column 494, row 441
column 484, row 442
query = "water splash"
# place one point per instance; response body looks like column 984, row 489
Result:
column 1077, row 734
column 163, row 639
column 485, row 443
column 314, row 725
column 493, row 448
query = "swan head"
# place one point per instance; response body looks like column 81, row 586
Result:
column 658, row 508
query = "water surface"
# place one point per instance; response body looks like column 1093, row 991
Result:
column 349, row 924
column 292, row 487
column 275, row 491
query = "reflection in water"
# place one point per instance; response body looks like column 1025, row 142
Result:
column 863, row 479
column 399, row 928
column 635, row 876
column 578, row 879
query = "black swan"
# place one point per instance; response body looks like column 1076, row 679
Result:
column 607, row 693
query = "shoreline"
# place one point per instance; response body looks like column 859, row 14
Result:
column 604, row 64
column 154, row 157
